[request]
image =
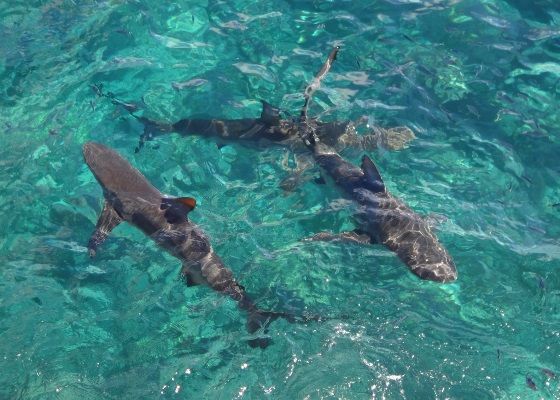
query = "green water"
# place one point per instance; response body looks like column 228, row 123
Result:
column 477, row 81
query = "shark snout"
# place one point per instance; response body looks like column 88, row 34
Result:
column 92, row 151
column 438, row 272
column 98, row 156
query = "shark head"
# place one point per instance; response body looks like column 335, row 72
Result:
column 442, row 271
column 93, row 152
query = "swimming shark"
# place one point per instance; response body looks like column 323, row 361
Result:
column 381, row 217
column 268, row 128
column 130, row 197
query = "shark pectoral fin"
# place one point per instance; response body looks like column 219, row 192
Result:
column 270, row 115
column 177, row 208
column 355, row 236
column 107, row 221
column 372, row 176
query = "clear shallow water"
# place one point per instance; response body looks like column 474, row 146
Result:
column 476, row 81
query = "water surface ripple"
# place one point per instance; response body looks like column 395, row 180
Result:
column 477, row 82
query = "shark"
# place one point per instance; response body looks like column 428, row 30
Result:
column 130, row 197
column 381, row 217
column 268, row 128
column 271, row 128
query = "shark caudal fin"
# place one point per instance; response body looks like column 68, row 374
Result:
column 107, row 221
column 260, row 320
column 372, row 177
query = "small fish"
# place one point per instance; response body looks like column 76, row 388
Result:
column 548, row 373
column 92, row 105
column 530, row 383
column 499, row 354
column 555, row 205
column 38, row 301
column 358, row 63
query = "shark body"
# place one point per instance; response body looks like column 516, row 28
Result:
column 130, row 197
column 383, row 218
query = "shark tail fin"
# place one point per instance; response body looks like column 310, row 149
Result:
column 107, row 221
column 260, row 320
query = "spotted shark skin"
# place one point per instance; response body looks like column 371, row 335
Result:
column 131, row 198
column 381, row 217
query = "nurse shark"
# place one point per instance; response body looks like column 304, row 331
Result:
column 130, row 197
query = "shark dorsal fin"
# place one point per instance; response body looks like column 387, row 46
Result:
column 372, row 177
column 177, row 208
column 188, row 202
column 270, row 115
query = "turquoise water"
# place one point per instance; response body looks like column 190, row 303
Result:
column 478, row 83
